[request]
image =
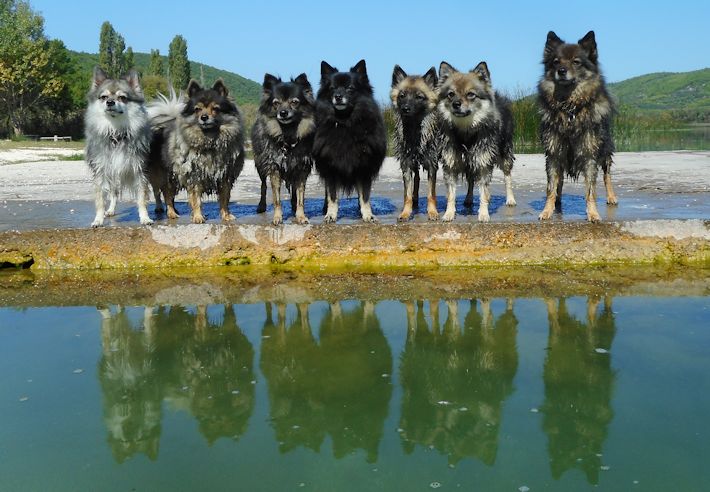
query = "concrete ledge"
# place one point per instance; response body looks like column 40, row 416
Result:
column 362, row 246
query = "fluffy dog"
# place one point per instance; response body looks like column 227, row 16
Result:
column 477, row 125
column 201, row 140
column 117, row 142
column 350, row 141
column 576, row 121
column 282, row 138
column 417, row 135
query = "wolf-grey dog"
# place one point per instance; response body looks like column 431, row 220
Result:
column 117, row 142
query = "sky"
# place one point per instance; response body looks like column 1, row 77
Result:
column 287, row 37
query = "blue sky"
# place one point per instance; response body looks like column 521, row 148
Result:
column 287, row 38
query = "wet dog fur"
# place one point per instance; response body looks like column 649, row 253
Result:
column 282, row 139
column 201, row 141
column 576, row 121
column 417, row 135
column 350, row 141
column 477, row 126
column 117, row 142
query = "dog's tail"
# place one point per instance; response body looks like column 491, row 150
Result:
column 163, row 110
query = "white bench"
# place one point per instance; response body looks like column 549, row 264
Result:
column 56, row 138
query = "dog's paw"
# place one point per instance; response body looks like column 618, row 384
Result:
column 593, row 217
column 198, row 219
column 510, row 201
column 228, row 218
column 370, row 219
column 404, row 217
column 433, row 215
column 158, row 210
column 146, row 221
column 277, row 220
column 329, row 219
column 97, row 223
column 261, row 208
column 172, row 214
column 545, row 214
column 484, row 217
column 612, row 200
column 301, row 220
column 468, row 203
column 448, row 216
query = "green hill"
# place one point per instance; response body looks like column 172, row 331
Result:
column 243, row 90
column 687, row 92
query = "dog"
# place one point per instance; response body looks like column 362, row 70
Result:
column 576, row 121
column 477, row 125
column 200, row 144
column 117, row 142
column 417, row 135
column 282, row 139
column 350, row 141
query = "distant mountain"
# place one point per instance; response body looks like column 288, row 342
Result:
column 243, row 90
column 685, row 91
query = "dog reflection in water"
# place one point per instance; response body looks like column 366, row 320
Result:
column 331, row 384
column 198, row 363
column 456, row 378
column 579, row 384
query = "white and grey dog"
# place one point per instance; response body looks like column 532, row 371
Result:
column 117, row 142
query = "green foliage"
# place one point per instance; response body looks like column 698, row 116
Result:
column 152, row 84
column 686, row 92
column 33, row 70
column 178, row 63
column 114, row 58
column 128, row 61
column 156, row 64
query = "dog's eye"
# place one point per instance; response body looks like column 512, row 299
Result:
column 556, row 61
column 103, row 98
column 350, row 89
column 295, row 102
column 123, row 99
column 471, row 95
column 216, row 109
column 402, row 95
column 577, row 61
column 198, row 109
column 451, row 94
column 420, row 96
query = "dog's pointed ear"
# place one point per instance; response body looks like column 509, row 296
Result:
column 134, row 82
column 326, row 69
column 270, row 81
column 99, row 77
column 551, row 45
column 445, row 71
column 398, row 75
column 193, row 88
column 302, row 80
column 483, row 72
column 220, row 88
column 430, row 78
column 589, row 44
column 360, row 68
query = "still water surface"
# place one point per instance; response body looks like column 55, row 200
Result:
column 502, row 394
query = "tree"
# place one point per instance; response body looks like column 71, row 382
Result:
column 156, row 63
column 178, row 64
column 30, row 65
column 106, row 46
column 118, row 67
column 128, row 62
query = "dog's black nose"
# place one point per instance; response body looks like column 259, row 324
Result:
column 110, row 103
column 562, row 71
column 338, row 97
column 205, row 117
column 283, row 113
column 406, row 108
column 456, row 104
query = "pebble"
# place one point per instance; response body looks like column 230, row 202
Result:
column 78, row 371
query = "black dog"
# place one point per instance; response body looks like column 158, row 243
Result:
column 283, row 139
column 350, row 140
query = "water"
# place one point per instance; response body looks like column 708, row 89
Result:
column 561, row 393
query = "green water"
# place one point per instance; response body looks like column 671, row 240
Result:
column 561, row 394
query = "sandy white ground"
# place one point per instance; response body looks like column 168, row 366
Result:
column 34, row 154
column 661, row 172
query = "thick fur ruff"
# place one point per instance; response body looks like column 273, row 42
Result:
column 116, row 149
column 472, row 148
column 350, row 145
column 417, row 142
column 276, row 151
column 117, row 142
